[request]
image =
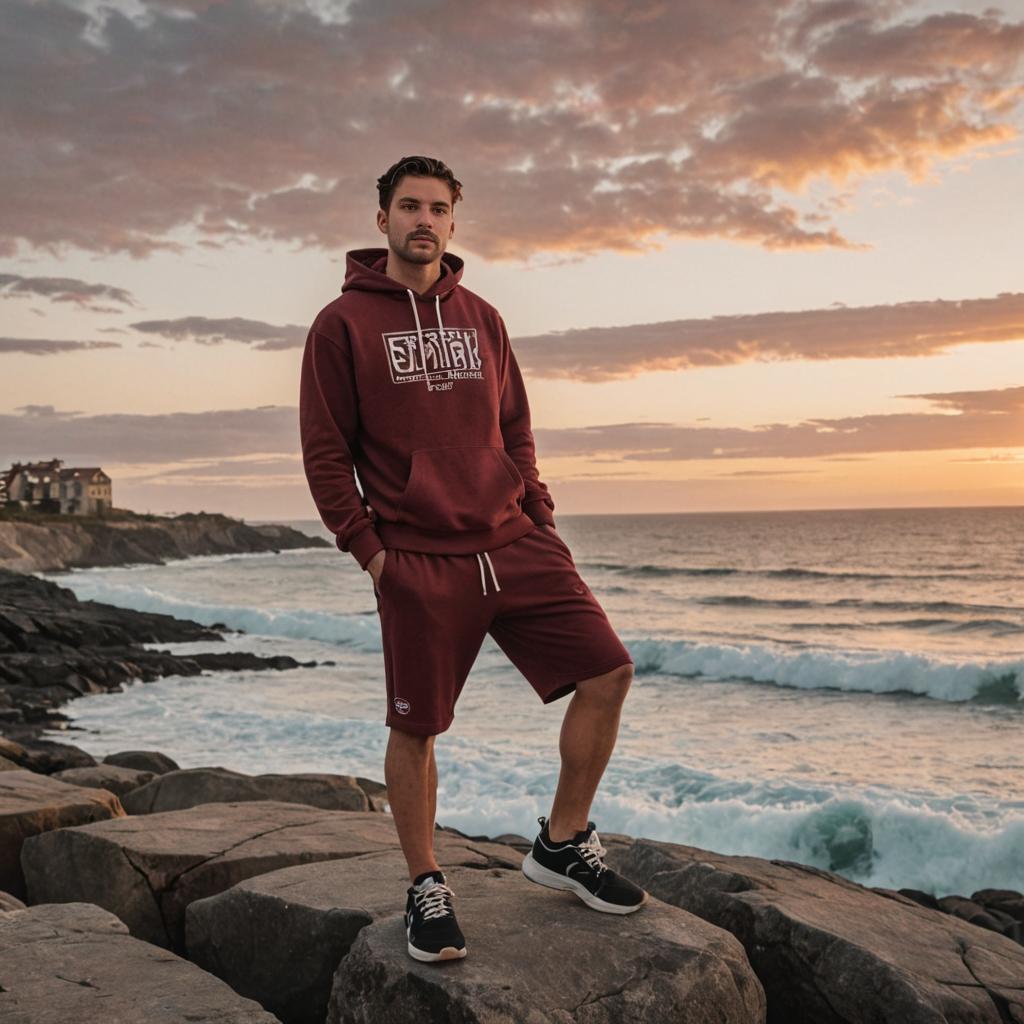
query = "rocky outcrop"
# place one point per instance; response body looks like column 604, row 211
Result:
column 54, row 648
column 829, row 951
column 77, row 962
column 154, row 761
column 147, row 869
column 119, row 781
column 176, row 791
column 9, row 902
column 538, row 956
column 279, row 937
column 32, row 542
column 31, row 804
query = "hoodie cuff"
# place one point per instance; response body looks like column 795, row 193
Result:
column 364, row 545
column 539, row 510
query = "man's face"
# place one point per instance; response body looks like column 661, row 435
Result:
column 419, row 220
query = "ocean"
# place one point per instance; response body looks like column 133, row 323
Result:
column 840, row 688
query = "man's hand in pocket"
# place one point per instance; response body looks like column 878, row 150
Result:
column 375, row 566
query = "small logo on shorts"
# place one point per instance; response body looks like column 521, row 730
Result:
column 402, row 706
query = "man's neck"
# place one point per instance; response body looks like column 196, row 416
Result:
column 420, row 277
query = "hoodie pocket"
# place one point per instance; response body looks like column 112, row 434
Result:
column 467, row 487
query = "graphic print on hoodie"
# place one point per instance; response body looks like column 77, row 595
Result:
column 421, row 398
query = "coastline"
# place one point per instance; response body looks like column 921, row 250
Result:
column 803, row 944
column 34, row 542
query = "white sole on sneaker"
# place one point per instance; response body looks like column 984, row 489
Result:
column 553, row 880
column 448, row 953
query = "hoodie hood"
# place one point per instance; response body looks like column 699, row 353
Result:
column 364, row 270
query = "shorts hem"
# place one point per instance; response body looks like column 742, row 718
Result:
column 418, row 728
column 564, row 689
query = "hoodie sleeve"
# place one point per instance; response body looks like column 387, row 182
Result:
column 518, row 437
column 328, row 419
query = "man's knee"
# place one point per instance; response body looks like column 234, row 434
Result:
column 608, row 688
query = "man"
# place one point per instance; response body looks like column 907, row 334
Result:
column 408, row 378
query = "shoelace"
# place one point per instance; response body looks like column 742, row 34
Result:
column 592, row 851
column 434, row 901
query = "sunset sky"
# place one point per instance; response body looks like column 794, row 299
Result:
column 752, row 254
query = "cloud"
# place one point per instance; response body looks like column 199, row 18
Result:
column 904, row 329
column 983, row 419
column 86, row 296
column 207, row 331
column 576, row 127
column 229, row 440
column 44, row 347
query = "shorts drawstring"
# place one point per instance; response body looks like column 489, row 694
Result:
column 483, row 578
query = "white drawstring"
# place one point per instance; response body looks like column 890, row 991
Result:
column 426, row 377
column 483, row 578
column 419, row 332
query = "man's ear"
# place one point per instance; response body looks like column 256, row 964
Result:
column 382, row 221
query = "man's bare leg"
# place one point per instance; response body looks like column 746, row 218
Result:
column 589, row 730
column 410, row 774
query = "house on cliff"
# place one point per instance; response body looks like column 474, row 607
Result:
column 53, row 487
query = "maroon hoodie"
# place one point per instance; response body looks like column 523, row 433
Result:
column 445, row 460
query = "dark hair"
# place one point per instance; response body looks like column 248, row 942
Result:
column 420, row 167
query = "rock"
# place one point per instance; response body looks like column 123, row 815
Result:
column 49, row 756
column 192, row 786
column 376, row 792
column 9, row 902
column 12, row 751
column 278, row 937
column 148, row 868
column 55, row 648
column 970, row 911
column 143, row 760
column 926, row 899
column 33, row 543
column 77, row 962
column 536, row 956
column 31, row 804
column 7, row 765
column 829, row 951
column 110, row 777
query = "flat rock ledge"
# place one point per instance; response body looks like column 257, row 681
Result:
column 189, row 787
column 76, row 962
column 829, row 951
column 538, row 956
column 147, row 869
column 278, row 938
column 31, row 804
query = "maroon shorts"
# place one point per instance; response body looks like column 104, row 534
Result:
column 436, row 609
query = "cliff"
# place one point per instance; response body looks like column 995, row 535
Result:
column 30, row 542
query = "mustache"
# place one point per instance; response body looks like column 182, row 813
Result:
column 433, row 238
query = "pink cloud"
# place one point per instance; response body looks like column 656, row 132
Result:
column 635, row 121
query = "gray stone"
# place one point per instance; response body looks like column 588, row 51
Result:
column 148, row 868
column 76, row 962
column 278, row 938
column 537, row 956
column 189, row 787
column 829, row 951
column 31, row 803
column 144, row 760
column 110, row 777
column 9, row 902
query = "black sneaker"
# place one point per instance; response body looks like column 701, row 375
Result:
column 430, row 924
column 575, row 864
